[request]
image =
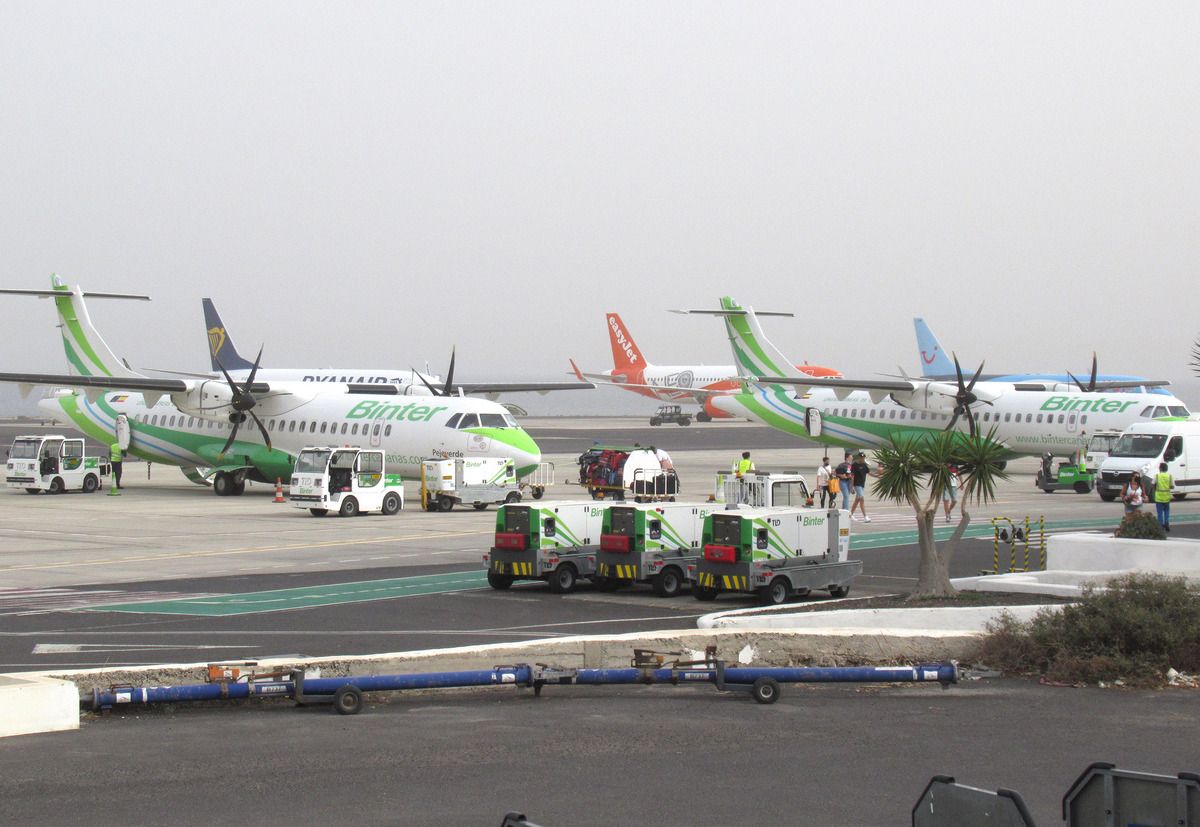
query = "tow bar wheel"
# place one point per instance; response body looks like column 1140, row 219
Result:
column 765, row 690
column 348, row 700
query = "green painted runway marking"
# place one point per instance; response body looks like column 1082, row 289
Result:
column 307, row 597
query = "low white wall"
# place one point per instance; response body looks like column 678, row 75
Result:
column 1105, row 553
column 37, row 704
column 924, row 621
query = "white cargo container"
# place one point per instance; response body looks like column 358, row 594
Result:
column 479, row 481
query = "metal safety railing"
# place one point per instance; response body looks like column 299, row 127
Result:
column 1021, row 538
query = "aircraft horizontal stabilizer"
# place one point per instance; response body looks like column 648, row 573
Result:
column 50, row 294
column 521, row 387
column 738, row 311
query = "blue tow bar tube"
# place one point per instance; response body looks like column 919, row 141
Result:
column 345, row 693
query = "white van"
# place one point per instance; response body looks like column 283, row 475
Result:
column 1143, row 446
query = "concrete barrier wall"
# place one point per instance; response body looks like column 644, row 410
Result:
column 1100, row 552
column 30, row 704
column 920, row 621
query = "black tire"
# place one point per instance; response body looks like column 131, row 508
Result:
column 318, row 512
column 91, row 484
column 1107, row 497
column 765, row 690
column 348, row 508
column 703, row 416
column 1082, row 488
column 685, row 421
column 479, row 506
column 500, row 582
column 348, row 700
column 563, row 579
column 704, row 593
column 777, row 592
column 56, row 486
column 445, row 503
column 33, row 490
column 668, row 582
column 391, row 503
column 538, row 492
column 655, row 422
column 239, row 488
column 222, row 484
column 513, row 497
column 839, row 591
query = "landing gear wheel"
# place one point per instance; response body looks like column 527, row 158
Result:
column 349, row 507
column 239, row 488
column 56, row 486
column 705, row 593
column 480, row 506
column 776, row 593
column 500, row 582
column 703, row 416
column 318, row 512
column 348, row 700
column 765, row 690
column 90, row 484
column 667, row 583
column 444, row 503
column 538, row 492
column 562, row 580
column 839, row 591
column 222, row 484
column 514, row 497
column 391, row 503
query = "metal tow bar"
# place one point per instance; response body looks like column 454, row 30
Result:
column 647, row 667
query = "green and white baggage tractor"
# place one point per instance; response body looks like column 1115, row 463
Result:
column 350, row 481
column 53, row 463
column 775, row 553
column 651, row 543
column 552, row 541
column 478, row 481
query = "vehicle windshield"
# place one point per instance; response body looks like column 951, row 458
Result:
column 1139, row 446
column 312, row 462
column 24, row 449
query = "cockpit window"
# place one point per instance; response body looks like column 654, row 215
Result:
column 468, row 421
column 512, row 423
column 1178, row 410
column 493, row 420
column 452, row 422
column 1160, row 411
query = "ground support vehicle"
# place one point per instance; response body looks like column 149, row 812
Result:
column 775, row 553
column 478, row 481
column 55, row 464
column 671, row 413
column 652, row 543
column 1099, row 446
column 1143, row 446
column 350, row 481
column 551, row 541
column 538, row 480
column 764, row 490
column 616, row 472
column 1070, row 477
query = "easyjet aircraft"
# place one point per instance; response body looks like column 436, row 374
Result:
column 698, row 384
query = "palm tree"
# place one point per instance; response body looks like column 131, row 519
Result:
column 916, row 470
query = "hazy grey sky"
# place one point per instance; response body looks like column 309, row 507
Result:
column 369, row 184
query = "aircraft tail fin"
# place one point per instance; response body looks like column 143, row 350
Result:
column 753, row 353
column 934, row 361
column 87, row 352
column 220, row 344
column 625, row 351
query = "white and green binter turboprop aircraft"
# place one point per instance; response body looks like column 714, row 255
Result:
column 253, row 430
column 1027, row 417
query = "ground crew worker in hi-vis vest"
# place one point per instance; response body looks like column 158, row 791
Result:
column 740, row 469
column 1162, row 495
column 115, row 455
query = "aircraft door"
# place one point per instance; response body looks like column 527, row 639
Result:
column 812, row 422
column 1072, row 423
column 377, row 432
column 123, row 432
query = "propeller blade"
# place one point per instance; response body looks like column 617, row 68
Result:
column 975, row 378
column 1092, row 383
column 254, row 370
column 450, row 374
column 1078, row 384
column 228, row 378
column 232, row 437
column 958, row 370
column 953, row 420
column 971, row 422
column 425, row 382
column 261, row 428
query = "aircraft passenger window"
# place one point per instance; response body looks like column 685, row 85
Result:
column 291, row 426
column 354, row 429
column 312, row 427
column 892, row 414
column 1071, row 419
column 1039, row 419
column 1083, row 419
column 344, row 428
column 872, row 413
column 324, row 425
column 452, row 422
column 387, row 431
column 1008, row 417
column 468, row 421
column 1060, row 418
column 375, row 430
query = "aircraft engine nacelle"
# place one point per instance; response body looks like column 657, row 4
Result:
column 211, row 400
column 713, row 411
column 934, row 397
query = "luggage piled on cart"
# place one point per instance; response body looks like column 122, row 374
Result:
column 608, row 471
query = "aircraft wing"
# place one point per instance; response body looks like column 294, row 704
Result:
column 104, row 383
column 1103, row 385
column 878, row 389
column 519, row 387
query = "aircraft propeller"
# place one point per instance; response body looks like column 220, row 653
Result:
column 965, row 397
column 1091, row 385
column 243, row 403
column 447, row 389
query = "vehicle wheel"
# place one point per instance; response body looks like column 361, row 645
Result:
column 91, row 484
column 445, row 503
column 1107, row 497
column 703, row 416
column 349, row 507
column 538, row 492
column 239, row 488
column 562, row 580
column 56, row 486
column 348, row 700
column 765, row 690
column 606, row 584
column 1180, row 496
column 668, row 582
column 655, row 422
column 318, row 512
column 1082, row 488
column 839, row 591
column 479, row 506
column 33, row 490
column 705, row 593
column 513, row 497
column 500, row 582
column 685, row 421
column 391, row 503
column 776, row 593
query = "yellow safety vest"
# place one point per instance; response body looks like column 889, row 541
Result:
column 1162, row 487
column 745, row 466
column 114, row 452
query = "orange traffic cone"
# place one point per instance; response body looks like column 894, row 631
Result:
column 279, row 491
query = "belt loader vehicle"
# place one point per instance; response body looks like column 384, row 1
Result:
column 551, row 541
column 350, row 481
column 775, row 553
column 53, row 463
column 479, row 481
column 650, row 543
